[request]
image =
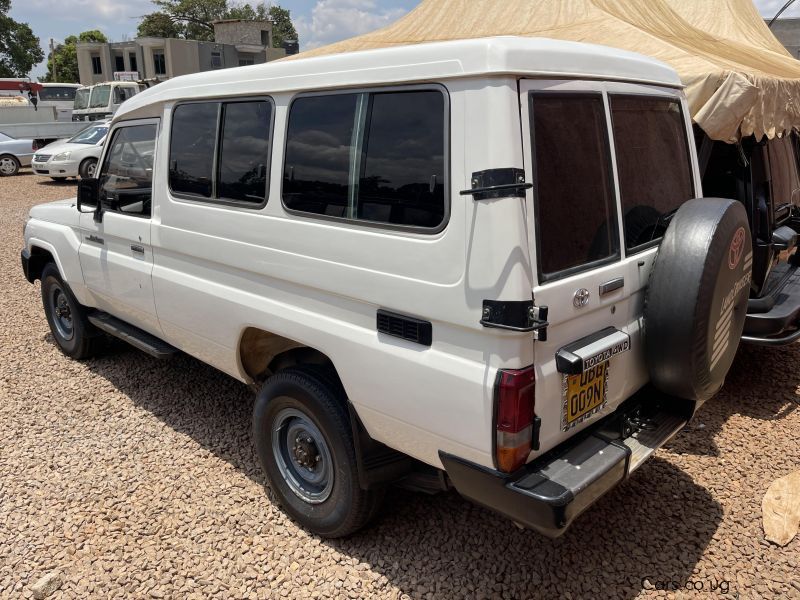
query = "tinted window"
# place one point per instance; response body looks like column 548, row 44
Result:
column 57, row 93
column 191, row 148
column 244, row 151
column 653, row 163
column 318, row 154
column 376, row 157
column 402, row 171
column 576, row 220
column 127, row 173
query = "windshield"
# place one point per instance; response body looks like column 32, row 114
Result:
column 81, row 99
column 90, row 135
column 100, row 96
column 57, row 93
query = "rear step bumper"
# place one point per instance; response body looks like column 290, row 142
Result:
column 549, row 493
column 774, row 320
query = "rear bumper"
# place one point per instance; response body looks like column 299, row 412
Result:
column 774, row 319
column 549, row 493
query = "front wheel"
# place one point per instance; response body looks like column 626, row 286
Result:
column 75, row 336
column 305, row 444
column 88, row 168
column 9, row 165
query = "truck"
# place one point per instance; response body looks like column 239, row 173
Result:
column 480, row 264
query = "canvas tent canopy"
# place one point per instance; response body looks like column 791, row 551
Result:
column 739, row 79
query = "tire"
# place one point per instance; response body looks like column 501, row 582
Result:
column 75, row 336
column 87, row 168
column 9, row 165
column 304, row 442
column 696, row 300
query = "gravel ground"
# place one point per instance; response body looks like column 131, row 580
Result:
column 136, row 478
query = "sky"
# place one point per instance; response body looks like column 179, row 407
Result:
column 318, row 22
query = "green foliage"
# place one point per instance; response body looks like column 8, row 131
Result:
column 66, row 57
column 192, row 19
column 19, row 48
column 160, row 24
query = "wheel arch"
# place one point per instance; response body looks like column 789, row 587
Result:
column 39, row 258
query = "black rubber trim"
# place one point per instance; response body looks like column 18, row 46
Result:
column 25, row 256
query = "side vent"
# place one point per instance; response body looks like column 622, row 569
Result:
column 407, row 328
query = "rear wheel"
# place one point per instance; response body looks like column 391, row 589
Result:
column 305, row 444
column 87, row 168
column 75, row 336
column 9, row 165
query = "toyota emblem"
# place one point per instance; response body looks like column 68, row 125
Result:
column 581, row 298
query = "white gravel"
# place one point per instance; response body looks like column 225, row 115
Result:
column 136, row 478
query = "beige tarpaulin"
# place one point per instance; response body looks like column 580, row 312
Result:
column 739, row 78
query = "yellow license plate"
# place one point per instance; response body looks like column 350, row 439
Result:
column 585, row 393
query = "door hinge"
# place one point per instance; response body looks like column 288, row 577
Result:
column 515, row 315
column 497, row 183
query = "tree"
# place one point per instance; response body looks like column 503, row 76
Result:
column 160, row 24
column 282, row 26
column 19, row 48
column 193, row 19
column 66, row 56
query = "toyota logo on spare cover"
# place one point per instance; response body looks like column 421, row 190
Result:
column 736, row 249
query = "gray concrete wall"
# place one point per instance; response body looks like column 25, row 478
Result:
column 242, row 32
column 788, row 33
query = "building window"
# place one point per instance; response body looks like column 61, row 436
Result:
column 119, row 63
column 159, row 63
column 264, row 38
column 216, row 59
column 132, row 59
column 377, row 157
column 97, row 66
column 245, row 61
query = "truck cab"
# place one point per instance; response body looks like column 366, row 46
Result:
column 106, row 98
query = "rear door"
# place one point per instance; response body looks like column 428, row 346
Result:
column 609, row 162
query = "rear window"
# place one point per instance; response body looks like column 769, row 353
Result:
column 575, row 206
column 653, row 163
column 57, row 93
column 377, row 157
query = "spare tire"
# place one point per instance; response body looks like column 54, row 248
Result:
column 696, row 299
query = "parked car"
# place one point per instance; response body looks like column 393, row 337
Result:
column 74, row 157
column 418, row 256
column 14, row 154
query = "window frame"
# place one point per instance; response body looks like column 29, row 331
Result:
column 97, row 65
column 688, row 145
column 363, row 222
column 105, row 157
column 615, row 256
column 159, row 52
column 227, row 202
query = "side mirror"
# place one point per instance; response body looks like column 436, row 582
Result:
column 89, row 198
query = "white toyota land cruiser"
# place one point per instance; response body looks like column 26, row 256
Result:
column 471, row 264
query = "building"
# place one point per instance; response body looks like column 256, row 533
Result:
column 788, row 33
column 236, row 43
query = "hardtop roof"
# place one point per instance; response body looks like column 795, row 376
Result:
column 493, row 56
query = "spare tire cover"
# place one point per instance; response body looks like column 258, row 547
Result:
column 696, row 299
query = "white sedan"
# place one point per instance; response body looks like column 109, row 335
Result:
column 74, row 157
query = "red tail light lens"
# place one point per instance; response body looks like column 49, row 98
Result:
column 514, row 399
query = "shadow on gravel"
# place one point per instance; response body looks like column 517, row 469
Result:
column 650, row 531
column 65, row 183
column 763, row 384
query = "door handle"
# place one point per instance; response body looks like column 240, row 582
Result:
column 137, row 248
column 610, row 286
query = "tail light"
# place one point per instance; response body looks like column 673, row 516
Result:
column 514, row 417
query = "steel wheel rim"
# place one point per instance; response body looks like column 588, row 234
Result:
column 62, row 313
column 7, row 166
column 302, row 455
column 91, row 168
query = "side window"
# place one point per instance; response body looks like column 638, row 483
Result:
column 574, row 199
column 377, row 157
column 653, row 164
column 220, row 151
column 191, row 148
column 127, row 174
